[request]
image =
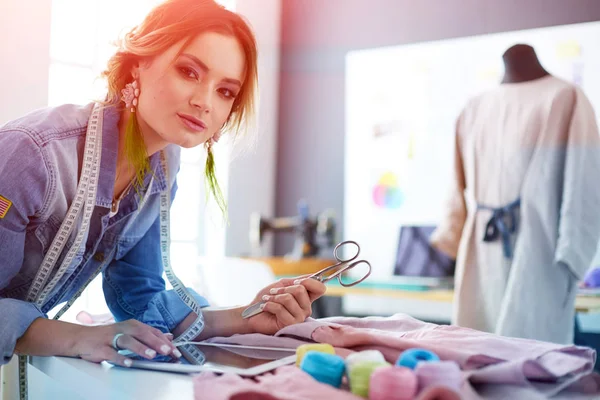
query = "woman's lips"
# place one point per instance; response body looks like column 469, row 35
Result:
column 192, row 123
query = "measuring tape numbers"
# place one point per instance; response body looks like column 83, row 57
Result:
column 165, row 248
column 85, row 194
column 85, row 199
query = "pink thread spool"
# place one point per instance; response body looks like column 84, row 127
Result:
column 393, row 383
column 442, row 373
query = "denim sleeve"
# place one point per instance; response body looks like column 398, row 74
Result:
column 23, row 181
column 134, row 287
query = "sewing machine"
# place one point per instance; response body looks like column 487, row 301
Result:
column 315, row 237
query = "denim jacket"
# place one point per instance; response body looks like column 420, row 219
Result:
column 40, row 156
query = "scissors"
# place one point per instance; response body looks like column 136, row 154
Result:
column 326, row 274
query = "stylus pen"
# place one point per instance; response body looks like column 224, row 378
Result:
column 127, row 353
column 222, row 345
column 237, row 346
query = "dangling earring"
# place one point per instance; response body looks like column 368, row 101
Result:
column 211, row 178
column 135, row 148
column 130, row 95
column 216, row 137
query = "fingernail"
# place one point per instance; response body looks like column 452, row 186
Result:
column 177, row 353
column 266, row 297
column 262, row 306
column 169, row 335
column 150, row 353
column 165, row 349
column 273, row 291
column 297, row 281
column 127, row 363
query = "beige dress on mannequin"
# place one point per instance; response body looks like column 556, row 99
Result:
column 536, row 141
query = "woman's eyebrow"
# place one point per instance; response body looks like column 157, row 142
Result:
column 205, row 68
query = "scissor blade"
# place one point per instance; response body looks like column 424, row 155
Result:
column 253, row 310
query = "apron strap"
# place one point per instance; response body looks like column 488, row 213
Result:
column 502, row 223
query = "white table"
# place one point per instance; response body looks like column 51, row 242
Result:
column 74, row 379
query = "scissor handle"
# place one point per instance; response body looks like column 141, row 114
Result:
column 349, row 266
column 340, row 245
column 322, row 276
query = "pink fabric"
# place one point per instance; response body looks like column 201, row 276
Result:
column 488, row 360
column 438, row 393
column 441, row 373
column 287, row 383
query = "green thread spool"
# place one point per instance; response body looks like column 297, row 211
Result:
column 360, row 375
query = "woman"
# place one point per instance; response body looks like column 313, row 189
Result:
column 87, row 189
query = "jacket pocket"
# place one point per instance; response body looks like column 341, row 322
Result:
column 47, row 231
column 124, row 245
column 17, row 288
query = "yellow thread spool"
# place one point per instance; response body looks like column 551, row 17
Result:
column 320, row 347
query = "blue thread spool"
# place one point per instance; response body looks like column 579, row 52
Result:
column 411, row 357
column 325, row 368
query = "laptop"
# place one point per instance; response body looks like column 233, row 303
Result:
column 419, row 263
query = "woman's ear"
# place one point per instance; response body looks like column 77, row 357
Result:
column 138, row 66
column 135, row 71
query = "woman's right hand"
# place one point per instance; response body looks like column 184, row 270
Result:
column 95, row 342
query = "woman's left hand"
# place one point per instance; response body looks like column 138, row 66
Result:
column 287, row 302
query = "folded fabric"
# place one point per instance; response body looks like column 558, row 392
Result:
column 488, row 361
column 286, row 383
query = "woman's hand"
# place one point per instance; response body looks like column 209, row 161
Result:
column 95, row 342
column 287, row 302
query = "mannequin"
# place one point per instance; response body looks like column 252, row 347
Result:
column 527, row 154
column 521, row 64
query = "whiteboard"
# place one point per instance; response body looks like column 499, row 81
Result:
column 401, row 106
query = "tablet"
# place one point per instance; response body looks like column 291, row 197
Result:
column 222, row 358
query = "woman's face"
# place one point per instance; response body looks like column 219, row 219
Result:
column 186, row 99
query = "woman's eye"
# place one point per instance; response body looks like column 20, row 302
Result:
column 188, row 72
column 227, row 93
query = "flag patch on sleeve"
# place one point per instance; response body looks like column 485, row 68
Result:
column 4, row 206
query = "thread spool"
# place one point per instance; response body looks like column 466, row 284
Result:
column 366, row 355
column 320, row 347
column 359, row 375
column 443, row 373
column 393, row 383
column 324, row 367
column 411, row 357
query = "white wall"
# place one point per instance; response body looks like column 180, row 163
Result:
column 24, row 56
column 251, row 185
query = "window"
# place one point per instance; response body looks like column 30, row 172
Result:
column 83, row 33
